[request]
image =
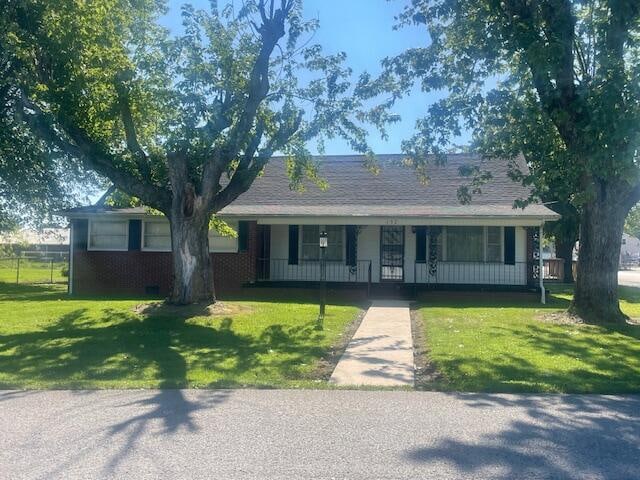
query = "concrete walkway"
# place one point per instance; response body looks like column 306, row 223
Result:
column 381, row 351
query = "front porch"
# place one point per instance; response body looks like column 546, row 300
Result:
column 445, row 273
column 431, row 256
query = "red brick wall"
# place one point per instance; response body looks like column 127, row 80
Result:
column 132, row 272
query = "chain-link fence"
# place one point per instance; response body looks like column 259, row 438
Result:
column 24, row 270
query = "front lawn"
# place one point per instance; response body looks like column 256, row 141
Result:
column 50, row 341
column 496, row 344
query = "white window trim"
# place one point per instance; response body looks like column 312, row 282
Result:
column 147, row 249
column 100, row 249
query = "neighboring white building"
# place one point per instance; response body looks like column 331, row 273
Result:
column 629, row 250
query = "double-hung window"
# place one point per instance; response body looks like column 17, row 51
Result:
column 465, row 244
column 335, row 240
column 473, row 244
column 108, row 235
column 219, row 243
column 494, row 244
column 157, row 236
column 311, row 242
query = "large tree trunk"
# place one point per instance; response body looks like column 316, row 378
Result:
column 596, row 292
column 564, row 251
column 189, row 219
column 192, row 272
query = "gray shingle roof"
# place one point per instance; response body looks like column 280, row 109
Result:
column 356, row 191
column 104, row 209
column 396, row 190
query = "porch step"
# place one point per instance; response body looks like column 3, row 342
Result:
column 392, row 291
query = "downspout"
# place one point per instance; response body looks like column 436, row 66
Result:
column 543, row 298
column 70, row 279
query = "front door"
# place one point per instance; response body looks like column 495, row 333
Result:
column 392, row 253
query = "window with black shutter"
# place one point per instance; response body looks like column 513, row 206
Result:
column 293, row 244
column 351, row 245
column 80, row 234
column 135, row 234
column 509, row 245
column 243, row 236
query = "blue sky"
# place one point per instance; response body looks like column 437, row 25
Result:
column 364, row 30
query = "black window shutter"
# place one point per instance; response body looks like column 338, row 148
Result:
column 421, row 245
column 351, row 246
column 135, row 234
column 509, row 245
column 80, row 234
column 293, row 244
column 243, row 236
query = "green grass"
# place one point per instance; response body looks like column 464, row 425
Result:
column 50, row 341
column 496, row 344
column 31, row 271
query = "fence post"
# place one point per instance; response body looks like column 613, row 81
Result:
column 51, row 277
column 18, row 272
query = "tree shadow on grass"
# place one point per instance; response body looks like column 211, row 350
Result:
column 518, row 300
column 161, row 348
column 629, row 294
column 607, row 360
column 542, row 355
column 25, row 292
column 572, row 437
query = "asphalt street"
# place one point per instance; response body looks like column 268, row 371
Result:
column 274, row 434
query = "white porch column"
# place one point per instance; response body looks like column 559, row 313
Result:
column 543, row 298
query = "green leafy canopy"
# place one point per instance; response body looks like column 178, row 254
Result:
column 556, row 81
column 35, row 179
column 105, row 84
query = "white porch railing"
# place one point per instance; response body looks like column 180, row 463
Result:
column 279, row 269
column 472, row 273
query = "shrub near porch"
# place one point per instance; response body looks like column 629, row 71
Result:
column 50, row 341
column 494, row 344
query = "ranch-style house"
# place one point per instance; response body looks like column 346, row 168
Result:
column 383, row 228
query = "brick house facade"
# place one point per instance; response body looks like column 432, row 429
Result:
column 138, row 272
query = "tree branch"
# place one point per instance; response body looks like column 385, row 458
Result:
column 271, row 31
column 553, row 80
column 243, row 178
column 142, row 161
column 79, row 146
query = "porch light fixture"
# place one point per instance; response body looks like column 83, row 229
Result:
column 324, row 242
